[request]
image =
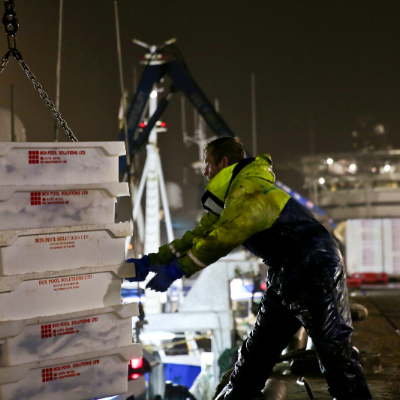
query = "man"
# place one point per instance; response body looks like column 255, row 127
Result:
column 306, row 279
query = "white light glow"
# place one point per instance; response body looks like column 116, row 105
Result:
column 153, row 94
column 387, row 168
column 352, row 167
column 155, row 336
column 236, row 284
column 329, row 161
column 321, row 180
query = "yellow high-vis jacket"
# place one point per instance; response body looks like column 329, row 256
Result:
column 241, row 201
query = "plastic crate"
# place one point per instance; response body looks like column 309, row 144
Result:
column 86, row 376
column 43, row 338
column 58, row 295
column 36, row 253
column 10, row 283
column 59, row 163
column 24, row 207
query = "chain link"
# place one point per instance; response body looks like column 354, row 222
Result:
column 43, row 95
column 4, row 61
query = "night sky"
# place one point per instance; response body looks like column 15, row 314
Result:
column 331, row 61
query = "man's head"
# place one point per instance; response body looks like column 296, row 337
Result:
column 221, row 153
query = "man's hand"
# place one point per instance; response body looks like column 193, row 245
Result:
column 165, row 275
column 142, row 266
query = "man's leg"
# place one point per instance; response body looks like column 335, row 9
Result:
column 274, row 327
column 326, row 318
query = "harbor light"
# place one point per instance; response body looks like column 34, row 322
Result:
column 352, row 167
column 321, row 180
column 329, row 161
column 387, row 168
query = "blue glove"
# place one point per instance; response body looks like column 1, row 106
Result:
column 165, row 275
column 142, row 266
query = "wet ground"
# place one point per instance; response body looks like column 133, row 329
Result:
column 379, row 333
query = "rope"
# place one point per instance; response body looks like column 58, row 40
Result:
column 10, row 23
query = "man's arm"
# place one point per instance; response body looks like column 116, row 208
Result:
column 164, row 262
column 253, row 205
column 179, row 247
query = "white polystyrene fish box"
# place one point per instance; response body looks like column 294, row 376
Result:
column 23, row 207
column 43, row 338
column 36, row 253
column 58, row 295
column 59, row 163
column 87, row 376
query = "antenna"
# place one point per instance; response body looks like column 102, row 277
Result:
column 134, row 73
column 195, row 120
column 253, row 113
column 311, row 133
column 13, row 136
column 183, row 118
column 58, row 71
column 199, row 134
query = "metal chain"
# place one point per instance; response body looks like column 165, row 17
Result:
column 44, row 96
column 4, row 61
column 10, row 23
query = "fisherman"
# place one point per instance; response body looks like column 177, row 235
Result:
column 306, row 283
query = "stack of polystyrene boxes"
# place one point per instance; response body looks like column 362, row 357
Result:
column 63, row 331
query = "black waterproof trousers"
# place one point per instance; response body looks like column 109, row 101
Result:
column 308, row 291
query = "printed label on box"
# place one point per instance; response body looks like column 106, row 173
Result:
column 62, row 242
column 65, row 371
column 66, row 283
column 52, row 156
column 65, row 328
column 56, row 197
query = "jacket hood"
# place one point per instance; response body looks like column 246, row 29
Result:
column 261, row 167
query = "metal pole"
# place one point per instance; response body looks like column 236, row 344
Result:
column 195, row 118
column 152, row 219
column 121, row 81
column 13, row 137
column 134, row 79
column 253, row 113
column 183, row 120
column 58, row 70
column 139, row 194
column 164, row 199
column 311, row 132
